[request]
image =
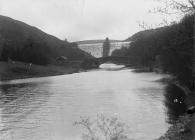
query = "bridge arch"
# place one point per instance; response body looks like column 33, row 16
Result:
column 96, row 62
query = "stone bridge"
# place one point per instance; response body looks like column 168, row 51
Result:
column 96, row 62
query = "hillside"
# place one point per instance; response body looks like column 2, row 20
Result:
column 144, row 34
column 167, row 48
column 23, row 42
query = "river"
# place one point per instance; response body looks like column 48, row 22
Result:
column 46, row 108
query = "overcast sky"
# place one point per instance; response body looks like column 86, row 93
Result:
column 83, row 19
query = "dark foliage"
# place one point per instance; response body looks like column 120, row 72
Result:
column 168, row 48
column 90, row 64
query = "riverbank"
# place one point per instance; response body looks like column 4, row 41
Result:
column 184, row 127
column 19, row 70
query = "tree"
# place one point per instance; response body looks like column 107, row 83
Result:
column 176, row 7
column 103, row 128
column 181, row 7
column 168, row 49
column 1, row 47
column 169, row 7
column 106, row 48
column 7, row 50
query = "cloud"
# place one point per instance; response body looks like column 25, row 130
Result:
column 82, row 19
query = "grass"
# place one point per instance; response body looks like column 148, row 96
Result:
column 19, row 70
column 183, row 129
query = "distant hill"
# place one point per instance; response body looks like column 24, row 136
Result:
column 23, row 42
column 95, row 41
column 143, row 34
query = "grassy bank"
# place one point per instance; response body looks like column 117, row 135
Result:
column 19, row 70
column 184, row 127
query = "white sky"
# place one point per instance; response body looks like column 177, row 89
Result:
column 83, row 19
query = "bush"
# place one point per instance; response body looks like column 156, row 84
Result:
column 103, row 128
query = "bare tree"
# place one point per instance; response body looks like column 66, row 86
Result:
column 103, row 128
column 144, row 25
column 176, row 7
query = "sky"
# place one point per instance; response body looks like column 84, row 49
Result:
column 83, row 19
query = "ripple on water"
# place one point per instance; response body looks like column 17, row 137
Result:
column 46, row 108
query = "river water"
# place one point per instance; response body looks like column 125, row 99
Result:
column 46, row 108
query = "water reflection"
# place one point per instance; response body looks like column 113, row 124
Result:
column 17, row 102
column 110, row 66
column 174, row 102
column 9, row 92
column 45, row 110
